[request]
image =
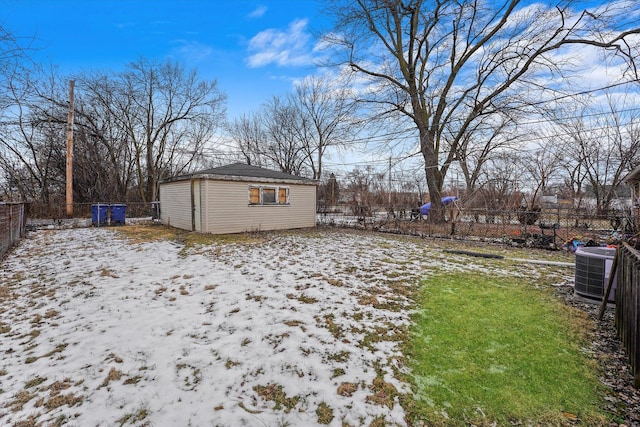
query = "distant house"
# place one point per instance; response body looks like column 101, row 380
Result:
column 237, row 198
column 633, row 181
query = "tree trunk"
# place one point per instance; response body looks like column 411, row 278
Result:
column 432, row 174
column 436, row 213
column 149, row 193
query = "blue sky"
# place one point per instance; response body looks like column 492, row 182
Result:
column 254, row 49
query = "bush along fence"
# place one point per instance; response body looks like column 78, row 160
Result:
column 628, row 305
column 13, row 224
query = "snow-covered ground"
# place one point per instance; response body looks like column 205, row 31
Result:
column 297, row 329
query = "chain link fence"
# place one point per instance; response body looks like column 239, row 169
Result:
column 545, row 228
column 549, row 228
column 55, row 214
column 13, row 224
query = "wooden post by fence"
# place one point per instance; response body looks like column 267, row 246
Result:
column 612, row 275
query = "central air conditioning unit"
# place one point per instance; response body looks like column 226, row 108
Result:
column 593, row 268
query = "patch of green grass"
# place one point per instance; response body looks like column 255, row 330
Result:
column 276, row 394
column 324, row 413
column 150, row 233
column 305, row 299
column 339, row 357
column 386, row 331
column 133, row 380
column 134, row 418
column 491, row 349
column 383, row 393
column 329, row 323
column 35, row 381
column 337, row 372
column 231, row 363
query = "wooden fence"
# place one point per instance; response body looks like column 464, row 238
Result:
column 628, row 305
column 13, row 224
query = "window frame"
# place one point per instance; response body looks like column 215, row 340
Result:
column 281, row 194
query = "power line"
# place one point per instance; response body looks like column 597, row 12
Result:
column 410, row 132
column 521, row 140
column 585, row 92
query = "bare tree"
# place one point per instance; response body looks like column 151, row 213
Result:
column 366, row 190
column 326, row 118
column 248, row 133
column 478, row 144
column 567, row 132
column 13, row 55
column 103, row 157
column 498, row 188
column 282, row 125
column 132, row 129
column 328, row 193
column 293, row 132
column 446, row 64
column 541, row 166
column 168, row 115
column 601, row 144
column 30, row 144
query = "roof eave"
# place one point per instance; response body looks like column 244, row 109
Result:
column 249, row 179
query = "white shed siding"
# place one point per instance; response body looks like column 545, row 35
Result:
column 175, row 204
column 228, row 209
column 203, row 205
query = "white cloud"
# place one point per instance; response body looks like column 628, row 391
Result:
column 191, row 51
column 258, row 12
column 290, row 47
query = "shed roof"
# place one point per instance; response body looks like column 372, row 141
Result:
column 242, row 171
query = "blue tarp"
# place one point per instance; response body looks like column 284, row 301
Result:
column 424, row 209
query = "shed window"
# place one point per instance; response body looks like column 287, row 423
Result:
column 267, row 195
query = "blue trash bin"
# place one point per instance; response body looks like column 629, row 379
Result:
column 99, row 215
column 118, row 214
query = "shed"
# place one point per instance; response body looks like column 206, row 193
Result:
column 237, row 198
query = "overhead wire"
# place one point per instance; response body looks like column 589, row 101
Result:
column 410, row 132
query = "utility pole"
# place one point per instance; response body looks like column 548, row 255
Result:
column 70, row 152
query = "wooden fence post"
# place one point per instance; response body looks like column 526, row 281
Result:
column 612, row 275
